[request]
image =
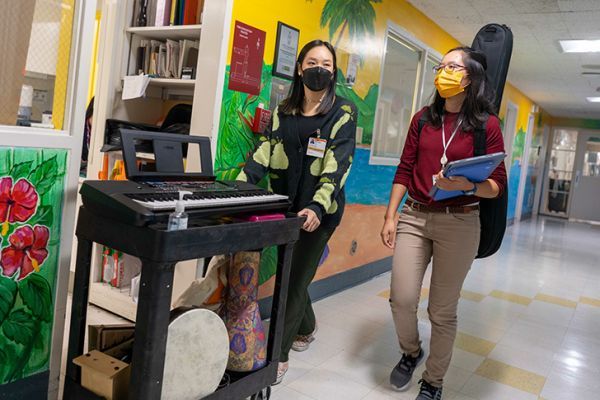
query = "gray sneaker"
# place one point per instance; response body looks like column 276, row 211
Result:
column 429, row 392
column 403, row 371
column 301, row 342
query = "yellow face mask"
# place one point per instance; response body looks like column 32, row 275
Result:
column 448, row 83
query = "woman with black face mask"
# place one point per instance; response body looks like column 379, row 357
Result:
column 307, row 154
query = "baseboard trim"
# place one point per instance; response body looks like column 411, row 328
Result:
column 336, row 283
column 31, row 388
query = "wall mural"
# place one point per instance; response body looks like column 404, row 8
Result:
column 236, row 139
column 356, row 28
column 31, row 190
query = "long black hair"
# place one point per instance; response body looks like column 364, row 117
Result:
column 293, row 103
column 479, row 100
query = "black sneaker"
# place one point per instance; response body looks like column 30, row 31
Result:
column 403, row 372
column 429, row 392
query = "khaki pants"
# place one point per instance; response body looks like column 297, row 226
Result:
column 452, row 240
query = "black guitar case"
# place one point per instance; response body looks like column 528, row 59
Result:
column 496, row 42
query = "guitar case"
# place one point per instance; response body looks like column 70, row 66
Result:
column 496, row 42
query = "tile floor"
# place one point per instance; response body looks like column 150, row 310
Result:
column 529, row 327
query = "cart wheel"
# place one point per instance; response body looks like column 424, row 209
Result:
column 264, row 394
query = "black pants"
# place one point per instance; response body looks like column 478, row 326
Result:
column 299, row 314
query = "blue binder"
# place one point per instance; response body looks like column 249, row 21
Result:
column 475, row 169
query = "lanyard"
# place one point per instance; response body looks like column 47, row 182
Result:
column 444, row 159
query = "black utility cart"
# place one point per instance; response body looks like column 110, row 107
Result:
column 159, row 251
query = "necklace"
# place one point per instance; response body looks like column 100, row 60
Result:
column 444, row 159
column 306, row 99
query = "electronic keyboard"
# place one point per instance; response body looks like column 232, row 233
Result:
column 144, row 203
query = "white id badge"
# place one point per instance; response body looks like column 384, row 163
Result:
column 434, row 178
column 316, row 147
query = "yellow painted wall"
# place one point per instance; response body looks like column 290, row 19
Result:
column 92, row 84
column 523, row 103
column 305, row 15
column 62, row 63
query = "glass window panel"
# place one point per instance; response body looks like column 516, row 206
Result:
column 591, row 161
column 565, row 140
column 562, row 159
column 428, row 86
column 36, row 36
column 396, row 101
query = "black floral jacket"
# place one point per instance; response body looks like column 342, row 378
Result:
column 309, row 182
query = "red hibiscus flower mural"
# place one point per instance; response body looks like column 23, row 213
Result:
column 27, row 251
column 17, row 203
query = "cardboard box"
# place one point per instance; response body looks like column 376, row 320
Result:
column 103, row 337
column 104, row 375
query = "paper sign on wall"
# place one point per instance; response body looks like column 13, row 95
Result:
column 246, row 59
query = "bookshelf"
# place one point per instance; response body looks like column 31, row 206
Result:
column 172, row 83
column 116, row 59
column 179, row 32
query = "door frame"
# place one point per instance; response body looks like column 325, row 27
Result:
column 577, row 172
column 510, row 139
column 70, row 139
column 541, row 171
column 426, row 51
column 544, row 194
column 524, row 167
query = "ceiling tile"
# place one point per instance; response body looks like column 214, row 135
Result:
column 538, row 66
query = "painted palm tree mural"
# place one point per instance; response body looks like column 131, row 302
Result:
column 358, row 16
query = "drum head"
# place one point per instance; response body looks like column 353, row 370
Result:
column 196, row 355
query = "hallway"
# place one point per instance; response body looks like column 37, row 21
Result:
column 529, row 327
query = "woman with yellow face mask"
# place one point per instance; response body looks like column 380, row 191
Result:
column 445, row 232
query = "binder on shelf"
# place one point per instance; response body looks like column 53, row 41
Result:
column 139, row 59
column 174, row 5
column 151, row 12
column 190, row 12
column 187, row 48
column 167, row 12
column 192, row 61
column 173, row 50
column 163, row 13
column 147, row 51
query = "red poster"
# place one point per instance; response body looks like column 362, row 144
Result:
column 245, row 68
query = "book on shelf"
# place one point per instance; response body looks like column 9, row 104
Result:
column 163, row 13
column 167, row 59
column 167, row 12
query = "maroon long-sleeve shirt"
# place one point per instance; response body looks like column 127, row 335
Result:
column 420, row 159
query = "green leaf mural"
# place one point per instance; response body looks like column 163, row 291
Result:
column 44, row 175
column 21, row 170
column 8, row 354
column 29, row 243
column 366, row 107
column 519, row 145
column 8, row 293
column 36, row 294
column 236, row 140
column 268, row 264
column 19, row 327
column 44, row 216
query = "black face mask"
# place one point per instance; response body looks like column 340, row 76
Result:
column 316, row 78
